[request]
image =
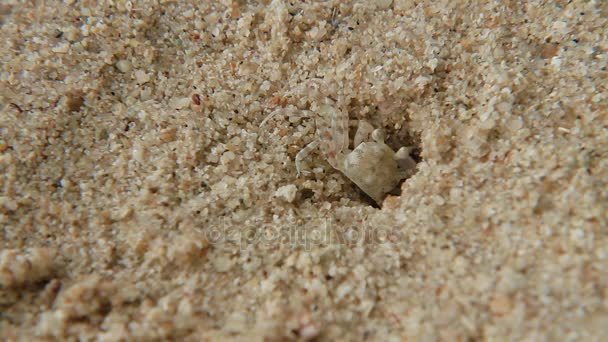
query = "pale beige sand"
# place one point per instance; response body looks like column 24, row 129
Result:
column 130, row 212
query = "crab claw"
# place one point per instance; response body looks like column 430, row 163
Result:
column 405, row 162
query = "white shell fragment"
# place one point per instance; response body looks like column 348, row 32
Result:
column 287, row 192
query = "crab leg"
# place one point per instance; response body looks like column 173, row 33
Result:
column 364, row 131
column 272, row 115
column 405, row 162
column 332, row 128
column 303, row 154
column 289, row 111
column 339, row 127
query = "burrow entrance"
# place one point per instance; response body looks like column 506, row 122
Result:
column 398, row 134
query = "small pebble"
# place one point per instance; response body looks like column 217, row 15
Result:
column 287, row 192
column 123, row 66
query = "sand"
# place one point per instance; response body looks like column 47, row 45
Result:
column 142, row 199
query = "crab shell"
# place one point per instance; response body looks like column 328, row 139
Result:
column 373, row 168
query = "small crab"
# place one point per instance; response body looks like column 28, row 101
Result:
column 373, row 166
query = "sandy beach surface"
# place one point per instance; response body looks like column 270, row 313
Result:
column 149, row 191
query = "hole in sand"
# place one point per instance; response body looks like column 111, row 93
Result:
column 398, row 134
